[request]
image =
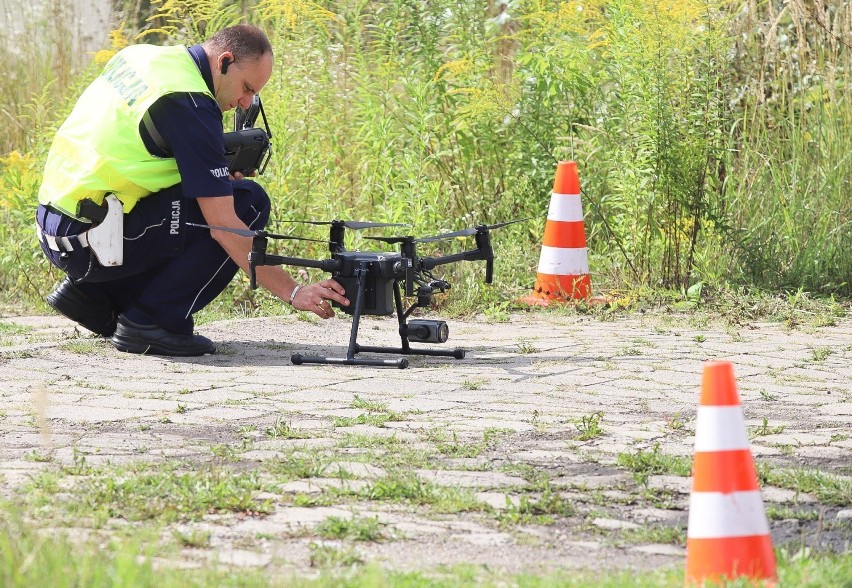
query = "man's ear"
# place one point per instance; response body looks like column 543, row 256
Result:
column 226, row 61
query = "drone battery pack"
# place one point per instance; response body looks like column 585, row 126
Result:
column 378, row 295
column 245, row 150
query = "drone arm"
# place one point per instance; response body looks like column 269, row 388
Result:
column 429, row 263
column 326, row 265
column 483, row 251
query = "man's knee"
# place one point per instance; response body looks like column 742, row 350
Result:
column 251, row 203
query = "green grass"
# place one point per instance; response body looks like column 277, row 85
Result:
column 29, row 558
column 646, row 463
column 655, row 534
column 36, row 456
column 820, row 354
column 456, row 448
column 526, row 347
column 12, row 329
column 780, row 513
column 298, row 466
column 356, row 529
column 375, row 419
column 764, row 429
column 407, row 488
column 173, row 495
column 473, row 384
column 539, row 480
column 84, row 346
column 164, row 492
column 282, row 430
column 329, row 557
column 368, row 405
column 829, row 489
column 193, row 538
column 361, row 440
column 541, row 510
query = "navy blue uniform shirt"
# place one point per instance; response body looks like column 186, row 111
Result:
column 191, row 125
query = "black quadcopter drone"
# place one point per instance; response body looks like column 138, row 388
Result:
column 378, row 281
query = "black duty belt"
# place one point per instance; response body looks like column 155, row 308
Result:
column 67, row 243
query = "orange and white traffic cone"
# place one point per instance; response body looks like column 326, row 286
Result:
column 728, row 534
column 563, row 266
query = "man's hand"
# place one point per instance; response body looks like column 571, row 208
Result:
column 219, row 212
column 316, row 298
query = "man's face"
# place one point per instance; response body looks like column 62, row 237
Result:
column 242, row 81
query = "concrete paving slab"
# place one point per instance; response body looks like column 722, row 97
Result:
column 522, row 388
column 466, row 479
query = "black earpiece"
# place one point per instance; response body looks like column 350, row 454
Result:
column 225, row 63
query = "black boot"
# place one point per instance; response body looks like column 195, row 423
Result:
column 93, row 311
column 154, row 340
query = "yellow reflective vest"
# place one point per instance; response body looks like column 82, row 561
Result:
column 98, row 149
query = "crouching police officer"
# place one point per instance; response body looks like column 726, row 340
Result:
column 139, row 160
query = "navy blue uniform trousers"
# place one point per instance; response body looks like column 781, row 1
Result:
column 170, row 270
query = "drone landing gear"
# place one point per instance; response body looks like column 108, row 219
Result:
column 354, row 348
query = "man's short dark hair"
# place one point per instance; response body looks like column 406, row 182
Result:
column 246, row 42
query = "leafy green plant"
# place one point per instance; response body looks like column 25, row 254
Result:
column 457, row 449
column 765, row 429
column 525, row 347
column 768, row 397
column 821, row 353
column 473, row 384
column 589, row 426
column 282, row 430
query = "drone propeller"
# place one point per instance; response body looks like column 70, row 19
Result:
column 468, row 232
column 354, row 225
column 391, row 240
column 255, row 233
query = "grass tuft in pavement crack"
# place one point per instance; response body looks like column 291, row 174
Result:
column 535, row 511
column 375, row 419
column 654, row 462
column 829, row 489
column 161, row 492
column 356, row 529
column 407, row 487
